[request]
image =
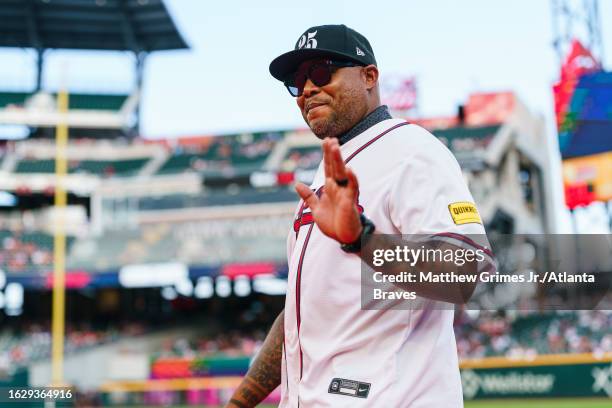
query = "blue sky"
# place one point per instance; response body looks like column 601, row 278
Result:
column 222, row 84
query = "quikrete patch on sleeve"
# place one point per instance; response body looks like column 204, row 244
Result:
column 464, row 212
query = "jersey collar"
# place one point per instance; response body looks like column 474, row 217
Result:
column 376, row 116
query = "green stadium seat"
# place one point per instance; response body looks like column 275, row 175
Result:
column 119, row 168
column 35, row 166
column 75, row 101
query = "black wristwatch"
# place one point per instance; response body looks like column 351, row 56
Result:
column 366, row 233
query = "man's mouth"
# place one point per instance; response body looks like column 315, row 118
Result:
column 313, row 105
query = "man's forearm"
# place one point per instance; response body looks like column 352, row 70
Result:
column 452, row 293
column 265, row 372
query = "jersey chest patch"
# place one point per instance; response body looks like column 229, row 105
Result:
column 464, row 212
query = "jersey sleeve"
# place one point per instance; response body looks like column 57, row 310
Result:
column 429, row 196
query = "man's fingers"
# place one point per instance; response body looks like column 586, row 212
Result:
column 327, row 166
column 333, row 164
column 352, row 177
column 332, row 161
column 353, row 182
column 338, row 166
column 309, row 197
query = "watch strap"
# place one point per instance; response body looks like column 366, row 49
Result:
column 366, row 232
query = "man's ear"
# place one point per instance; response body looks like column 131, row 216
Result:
column 370, row 75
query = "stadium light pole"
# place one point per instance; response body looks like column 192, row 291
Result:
column 59, row 243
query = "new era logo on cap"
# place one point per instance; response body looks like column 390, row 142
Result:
column 327, row 41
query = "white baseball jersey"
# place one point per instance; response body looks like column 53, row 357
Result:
column 334, row 352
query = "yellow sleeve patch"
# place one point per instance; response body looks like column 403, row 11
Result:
column 464, row 212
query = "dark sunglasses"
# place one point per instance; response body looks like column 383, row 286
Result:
column 319, row 72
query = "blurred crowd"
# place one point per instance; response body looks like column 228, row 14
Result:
column 20, row 253
column 32, row 342
column 482, row 334
column 525, row 335
column 302, row 159
column 228, row 153
column 232, row 344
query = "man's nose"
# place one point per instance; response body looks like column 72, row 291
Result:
column 309, row 88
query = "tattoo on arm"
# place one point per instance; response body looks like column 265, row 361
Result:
column 265, row 372
column 238, row 403
column 252, row 392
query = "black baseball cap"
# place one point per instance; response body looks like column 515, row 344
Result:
column 326, row 41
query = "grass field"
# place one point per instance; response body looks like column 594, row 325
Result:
column 532, row 403
column 545, row 403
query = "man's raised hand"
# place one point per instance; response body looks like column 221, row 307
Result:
column 335, row 212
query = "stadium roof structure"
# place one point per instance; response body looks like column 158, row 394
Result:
column 137, row 26
column 119, row 25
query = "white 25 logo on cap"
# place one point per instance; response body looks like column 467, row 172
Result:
column 309, row 42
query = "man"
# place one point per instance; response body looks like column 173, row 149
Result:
column 379, row 176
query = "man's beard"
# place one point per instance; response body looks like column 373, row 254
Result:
column 329, row 127
column 336, row 124
column 339, row 120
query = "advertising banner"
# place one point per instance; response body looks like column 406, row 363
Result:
column 587, row 179
column 572, row 380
